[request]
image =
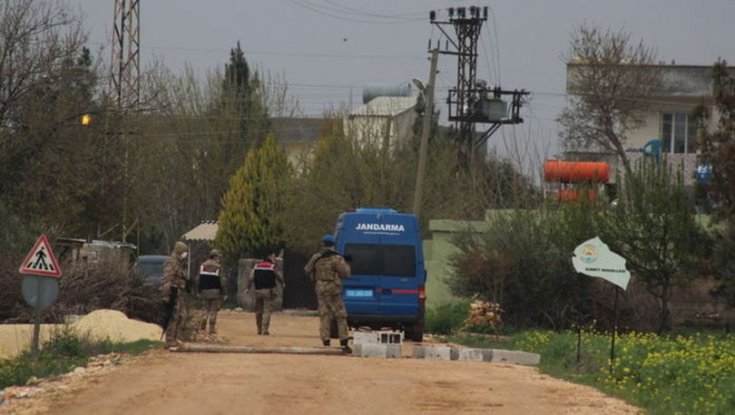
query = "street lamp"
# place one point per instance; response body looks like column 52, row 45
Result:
column 419, row 84
column 425, row 127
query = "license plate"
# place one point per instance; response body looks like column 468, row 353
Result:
column 359, row 293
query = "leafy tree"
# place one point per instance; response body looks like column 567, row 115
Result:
column 718, row 146
column 345, row 174
column 252, row 209
column 612, row 81
column 522, row 261
column 653, row 228
column 718, row 150
column 326, row 188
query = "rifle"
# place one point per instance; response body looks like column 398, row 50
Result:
column 168, row 309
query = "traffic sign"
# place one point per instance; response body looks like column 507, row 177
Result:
column 41, row 260
column 40, row 292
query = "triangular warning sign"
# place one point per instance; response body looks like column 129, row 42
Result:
column 41, row 260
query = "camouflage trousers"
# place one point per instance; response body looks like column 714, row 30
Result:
column 211, row 303
column 180, row 314
column 331, row 307
column 263, row 309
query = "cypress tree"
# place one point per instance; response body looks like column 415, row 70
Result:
column 251, row 216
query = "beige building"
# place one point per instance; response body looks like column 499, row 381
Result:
column 670, row 118
column 385, row 121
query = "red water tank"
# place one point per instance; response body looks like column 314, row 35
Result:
column 576, row 171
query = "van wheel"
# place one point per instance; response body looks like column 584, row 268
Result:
column 333, row 331
column 415, row 333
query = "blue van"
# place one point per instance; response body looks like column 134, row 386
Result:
column 387, row 286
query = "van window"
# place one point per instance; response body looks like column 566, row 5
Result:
column 399, row 260
column 385, row 260
column 365, row 258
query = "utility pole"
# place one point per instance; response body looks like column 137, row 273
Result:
column 471, row 101
column 125, row 82
column 125, row 59
column 425, row 130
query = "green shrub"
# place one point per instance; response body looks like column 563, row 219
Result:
column 446, row 318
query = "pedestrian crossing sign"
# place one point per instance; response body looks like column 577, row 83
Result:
column 41, row 260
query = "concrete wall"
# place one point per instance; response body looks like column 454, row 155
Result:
column 437, row 251
column 394, row 131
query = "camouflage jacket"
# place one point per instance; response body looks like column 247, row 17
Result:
column 174, row 274
column 327, row 265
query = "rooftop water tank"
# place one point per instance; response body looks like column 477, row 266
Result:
column 374, row 91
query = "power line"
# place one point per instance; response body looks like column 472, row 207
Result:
column 334, row 13
column 345, row 10
column 291, row 54
column 364, row 13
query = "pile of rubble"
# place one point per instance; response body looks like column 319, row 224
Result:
column 484, row 313
column 34, row 385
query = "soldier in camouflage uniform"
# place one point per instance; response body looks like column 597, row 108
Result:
column 263, row 277
column 327, row 269
column 212, row 283
column 173, row 291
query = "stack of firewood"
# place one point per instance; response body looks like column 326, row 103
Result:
column 484, row 313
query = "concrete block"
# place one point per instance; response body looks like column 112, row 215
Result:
column 391, row 337
column 365, row 337
column 432, row 352
column 385, row 337
column 516, row 357
column 419, row 352
column 475, row 355
column 377, row 350
column 393, row 351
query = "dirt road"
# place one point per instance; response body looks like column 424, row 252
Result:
column 162, row 382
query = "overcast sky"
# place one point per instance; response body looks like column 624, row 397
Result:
column 328, row 50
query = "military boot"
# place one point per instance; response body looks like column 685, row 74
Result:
column 326, row 342
column 345, row 347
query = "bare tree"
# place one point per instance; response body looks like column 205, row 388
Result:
column 612, row 81
column 36, row 37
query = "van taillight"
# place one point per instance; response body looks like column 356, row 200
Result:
column 422, row 294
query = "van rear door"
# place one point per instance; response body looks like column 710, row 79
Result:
column 399, row 281
column 362, row 289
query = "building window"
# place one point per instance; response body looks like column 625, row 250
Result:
column 678, row 133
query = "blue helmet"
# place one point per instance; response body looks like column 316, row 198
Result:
column 328, row 239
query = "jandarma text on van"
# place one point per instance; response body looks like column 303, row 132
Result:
column 379, row 227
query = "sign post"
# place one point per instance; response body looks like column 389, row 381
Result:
column 595, row 259
column 41, row 285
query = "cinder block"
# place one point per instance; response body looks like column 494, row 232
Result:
column 365, row 337
column 476, row 355
column 391, row 337
column 393, row 351
column 516, row 357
